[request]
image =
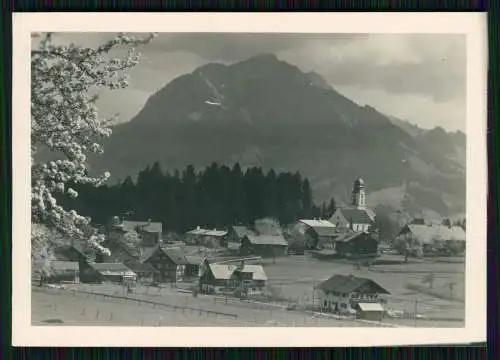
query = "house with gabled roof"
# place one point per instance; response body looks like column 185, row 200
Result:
column 211, row 238
column 315, row 232
column 342, row 293
column 228, row 277
column 238, row 232
column 356, row 244
column 430, row 236
column 172, row 264
column 264, row 245
column 107, row 272
column 150, row 232
column 55, row 271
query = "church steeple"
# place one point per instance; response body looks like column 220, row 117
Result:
column 358, row 194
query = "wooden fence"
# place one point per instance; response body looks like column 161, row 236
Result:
column 154, row 304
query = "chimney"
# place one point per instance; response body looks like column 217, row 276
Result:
column 149, row 221
column 198, row 227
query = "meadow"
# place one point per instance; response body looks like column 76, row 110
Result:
column 291, row 278
column 53, row 307
column 294, row 278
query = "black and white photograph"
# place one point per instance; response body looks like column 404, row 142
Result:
column 251, row 178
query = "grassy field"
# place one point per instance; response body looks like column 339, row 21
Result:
column 291, row 277
column 294, row 278
column 79, row 310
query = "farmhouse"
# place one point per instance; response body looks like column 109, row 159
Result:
column 356, row 244
column 265, row 226
column 349, row 244
column 149, row 232
column 317, row 233
column 106, row 272
column 432, row 237
column 264, row 245
column 238, row 232
column 193, row 265
column 356, row 217
column 146, row 273
column 342, row 293
column 209, row 238
column 172, row 264
column 216, row 278
column 56, row 271
column 75, row 251
column 120, row 253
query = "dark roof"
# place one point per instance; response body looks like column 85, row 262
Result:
column 176, row 255
column 119, row 245
column 64, row 265
column 67, row 252
column 110, row 267
column 139, row 267
column 56, row 265
column 267, row 240
column 325, row 231
column 347, row 284
column 348, row 236
column 149, row 252
column 242, row 231
column 356, row 216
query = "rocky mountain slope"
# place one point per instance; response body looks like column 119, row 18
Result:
column 263, row 111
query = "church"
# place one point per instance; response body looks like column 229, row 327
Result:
column 357, row 216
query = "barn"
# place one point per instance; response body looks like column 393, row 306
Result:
column 264, row 245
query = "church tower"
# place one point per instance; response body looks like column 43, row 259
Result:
column 358, row 194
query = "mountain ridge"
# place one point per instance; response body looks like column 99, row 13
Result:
column 265, row 111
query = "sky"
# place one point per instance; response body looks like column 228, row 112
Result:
column 420, row 78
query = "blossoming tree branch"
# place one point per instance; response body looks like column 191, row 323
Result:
column 65, row 83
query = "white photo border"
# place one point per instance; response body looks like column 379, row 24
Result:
column 471, row 24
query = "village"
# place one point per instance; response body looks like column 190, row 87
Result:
column 336, row 267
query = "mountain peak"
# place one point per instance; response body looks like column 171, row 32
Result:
column 264, row 57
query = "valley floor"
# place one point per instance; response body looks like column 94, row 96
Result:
column 292, row 280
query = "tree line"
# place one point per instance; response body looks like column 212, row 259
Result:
column 218, row 196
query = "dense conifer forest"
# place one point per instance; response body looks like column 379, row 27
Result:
column 218, row 196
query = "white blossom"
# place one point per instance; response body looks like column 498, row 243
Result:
column 64, row 119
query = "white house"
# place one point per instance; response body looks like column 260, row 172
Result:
column 342, row 293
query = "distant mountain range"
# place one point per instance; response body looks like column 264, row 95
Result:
column 263, row 111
